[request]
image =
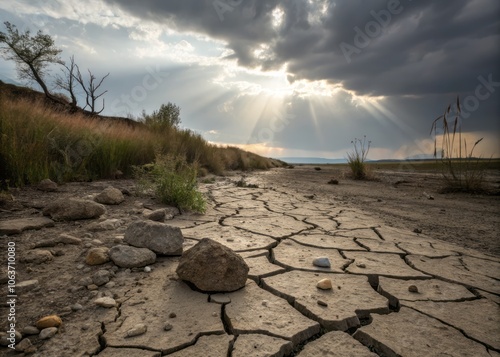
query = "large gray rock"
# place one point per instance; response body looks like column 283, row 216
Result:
column 110, row 196
column 70, row 209
column 158, row 237
column 210, row 266
column 131, row 257
column 18, row 225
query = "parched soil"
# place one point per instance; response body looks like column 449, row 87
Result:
column 405, row 199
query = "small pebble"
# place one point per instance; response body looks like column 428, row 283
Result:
column 147, row 269
column 322, row 303
column 30, row 330
column 47, row 333
column 49, row 321
column 105, row 302
column 168, row 327
column 76, row 307
column 172, row 315
column 324, row 284
column 137, row 330
column 322, row 262
column 413, row 289
column 361, row 265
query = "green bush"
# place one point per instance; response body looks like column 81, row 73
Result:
column 173, row 181
column 356, row 159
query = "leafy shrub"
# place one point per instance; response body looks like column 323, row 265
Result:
column 173, row 181
column 357, row 158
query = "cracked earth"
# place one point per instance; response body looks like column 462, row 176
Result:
column 395, row 292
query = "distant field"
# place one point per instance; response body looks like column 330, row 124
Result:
column 412, row 165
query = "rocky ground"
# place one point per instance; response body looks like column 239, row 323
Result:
column 359, row 268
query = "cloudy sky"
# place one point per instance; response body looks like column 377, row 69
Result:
column 288, row 77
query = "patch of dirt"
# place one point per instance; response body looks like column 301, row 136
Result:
column 407, row 200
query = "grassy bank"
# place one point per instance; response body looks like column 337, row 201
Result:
column 38, row 142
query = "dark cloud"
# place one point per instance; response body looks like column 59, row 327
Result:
column 384, row 47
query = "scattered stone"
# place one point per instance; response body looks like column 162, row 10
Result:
column 110, row 285
column 86, row 281
column 106, row 225
column 76, row 307
column 322, row 303
column 147, row 269
column 156, row 215
column 137, row 330
column 47, row 333
column 361, row 265
column 49, row 321
column 106, row 302
column 100, row 277
column 110, row 196
column 220, row 299
column 131, row 257
column 30, row 330
column 172, row 315
column 160, row 238
column 417, row 230
column 16, row 226
column 324, row 284
column 322, row 262
column 97, row 256
column 333, row 182
column 37, row 256
column 47, row 185
column 25, row 286
column 211, row 266
column 413, row 289
column 92, row 287
column 23, row 345
column 70, row 209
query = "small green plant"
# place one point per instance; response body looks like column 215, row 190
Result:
column 357, row 158
column 173, row 181
column 460, row 169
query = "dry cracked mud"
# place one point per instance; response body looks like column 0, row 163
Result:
column 394, row 292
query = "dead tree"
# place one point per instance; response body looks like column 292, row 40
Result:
column 90, row 90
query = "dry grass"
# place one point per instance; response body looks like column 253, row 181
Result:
column 38, row 142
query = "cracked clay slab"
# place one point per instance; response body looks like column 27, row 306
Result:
column 254, row 310
column 370, row 263
column 327, row 241
column 479, row 319
column 436, row 290
column 207, row 346
column 351, row 298
column 298, row 256
column 235, row 239
column 274, row 226
column 409, row 333
column 167, row 301
column 257, row 345
column 338, row 344
column 452, row 269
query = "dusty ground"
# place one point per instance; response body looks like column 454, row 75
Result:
column 400, row 198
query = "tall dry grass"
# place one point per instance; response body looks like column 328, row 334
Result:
column 38, row 142
column 461, row 170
